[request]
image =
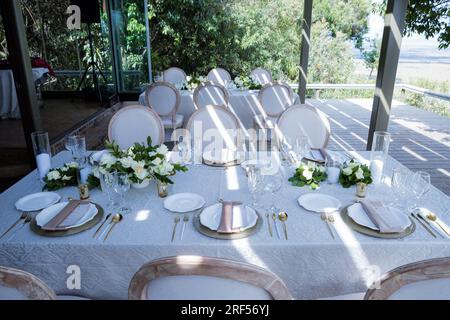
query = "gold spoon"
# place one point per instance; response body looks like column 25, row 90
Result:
column 274, row 217
column 432, row 217
column 323, row 216
column 115, row 220
column 283, row 216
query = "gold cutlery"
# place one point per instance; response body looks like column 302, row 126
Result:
column 324, row 218
column 269, row 225
column 274, row 218
column 429, row 224
column 115, row 220
column 331, row 220
column 432, row 217
column 27, row 220
column 185, row 221
column 103, row 223
column 22, row 217
column 175, row 223
column 423, row 224
column 283, row 216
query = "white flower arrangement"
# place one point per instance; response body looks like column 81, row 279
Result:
column 354, row 172
column 311, row 175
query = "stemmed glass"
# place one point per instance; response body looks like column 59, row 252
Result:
column 184, row 150
column 420, row 184
column 121, row 185
column 254, row 183
column 272, row 184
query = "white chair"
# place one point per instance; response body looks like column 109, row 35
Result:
column 219, row 75
column 165, row 99
column 174, row 75
column 423, row 280
column 214, row 122
column 134, row 124
column 205, row 278
column 17, row 284
column 274, row 97
column 261, row 75
column 210, row 93
column 304, row 120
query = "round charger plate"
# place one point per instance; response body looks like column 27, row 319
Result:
column 62, row 233
column 227, row 236
column 374, row 233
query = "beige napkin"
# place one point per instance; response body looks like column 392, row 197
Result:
column 386, row 220
column 69, row 215
column 227, row 216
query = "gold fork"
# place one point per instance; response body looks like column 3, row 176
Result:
column 23, row 216
column 324, row 218
column 175, row 223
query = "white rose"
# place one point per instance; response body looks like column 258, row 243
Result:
column 353, row 164
column 162, row 149
column 72, row 165
column 307, row 174
column 139, row 170
column 157, row 161
column 347, row 171
column 127, row 162
column 107, row 160
column 65, row 177
column 53, row 175
column 359, row 174
column 64, row 169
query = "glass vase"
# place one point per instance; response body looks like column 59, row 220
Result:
column 378, row 154
column 41, row 147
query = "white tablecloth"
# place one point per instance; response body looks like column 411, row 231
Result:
column 243, row 103
column 9, row 106
column 311, row 263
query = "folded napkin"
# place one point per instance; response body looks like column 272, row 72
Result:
column 319, row 154
column 69, row 215
column 385, row 219
column 232, row 218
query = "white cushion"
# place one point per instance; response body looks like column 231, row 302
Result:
column 351, row 296
column 195, row 287
column 162, row 99
column 7, row 293
column 261, row 75
column 275, row 99
column 210, row 95
column 167, row 121
column 435, row 289
column 261, row 122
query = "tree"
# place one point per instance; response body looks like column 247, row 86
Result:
column 372, row 55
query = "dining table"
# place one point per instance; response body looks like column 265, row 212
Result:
column 310, row 262
column 244, row 104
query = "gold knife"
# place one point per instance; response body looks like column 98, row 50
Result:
column 176, row 220
column 101, row 226
column 423, row 224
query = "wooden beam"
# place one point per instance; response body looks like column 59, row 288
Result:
column 305, row 45
column 19, row 57
column 387, row 66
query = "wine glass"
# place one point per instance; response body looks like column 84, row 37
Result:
column 107, row 186
column 420, row 184
column 272, row 184
column 184, row 150
column 121, row 185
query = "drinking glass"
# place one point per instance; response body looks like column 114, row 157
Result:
column 254, row 183
column 272, row 184
column 121, row 185
column 41, row 147
column 107, row 185
column 378, row 154
column 78, row 146
column 70, row 143
column 399, row 183
column 420, row 183
column 333, row 170
column 184, row 150
column 301, row 147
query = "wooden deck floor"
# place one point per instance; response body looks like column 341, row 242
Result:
column 420, row 139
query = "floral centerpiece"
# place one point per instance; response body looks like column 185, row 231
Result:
column 247, row 82
column 354, row 172
column 311, row 175
column 141, row 162
column 66, row 176
column 193, row 81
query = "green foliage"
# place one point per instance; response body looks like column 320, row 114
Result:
column 308, row 175
column 372, row 55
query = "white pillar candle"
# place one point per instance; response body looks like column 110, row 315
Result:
column 376, row 168
column 84, row 173
column 333, row 174
column 44, row 164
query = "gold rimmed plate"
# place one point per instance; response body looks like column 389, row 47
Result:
column 375, row 233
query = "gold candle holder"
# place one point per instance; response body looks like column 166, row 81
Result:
column 163, row 189
column 83, row 190
column 361, row 189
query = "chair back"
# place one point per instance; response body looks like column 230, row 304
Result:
column 134, row 124
column 210, row 93
column 304, row 120
column 163, row 97
column 219, row 75
column 205, row 278
column 174, row 75
column 262, row 76
column 423, row 280
column 16, row 284
column 275, row 97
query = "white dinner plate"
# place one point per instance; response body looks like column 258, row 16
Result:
column 359, row 215
column 210, row 217
column 220, row 156
column 47, row 214
column 319, row 202
column 184, row 202
column 37, row 201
